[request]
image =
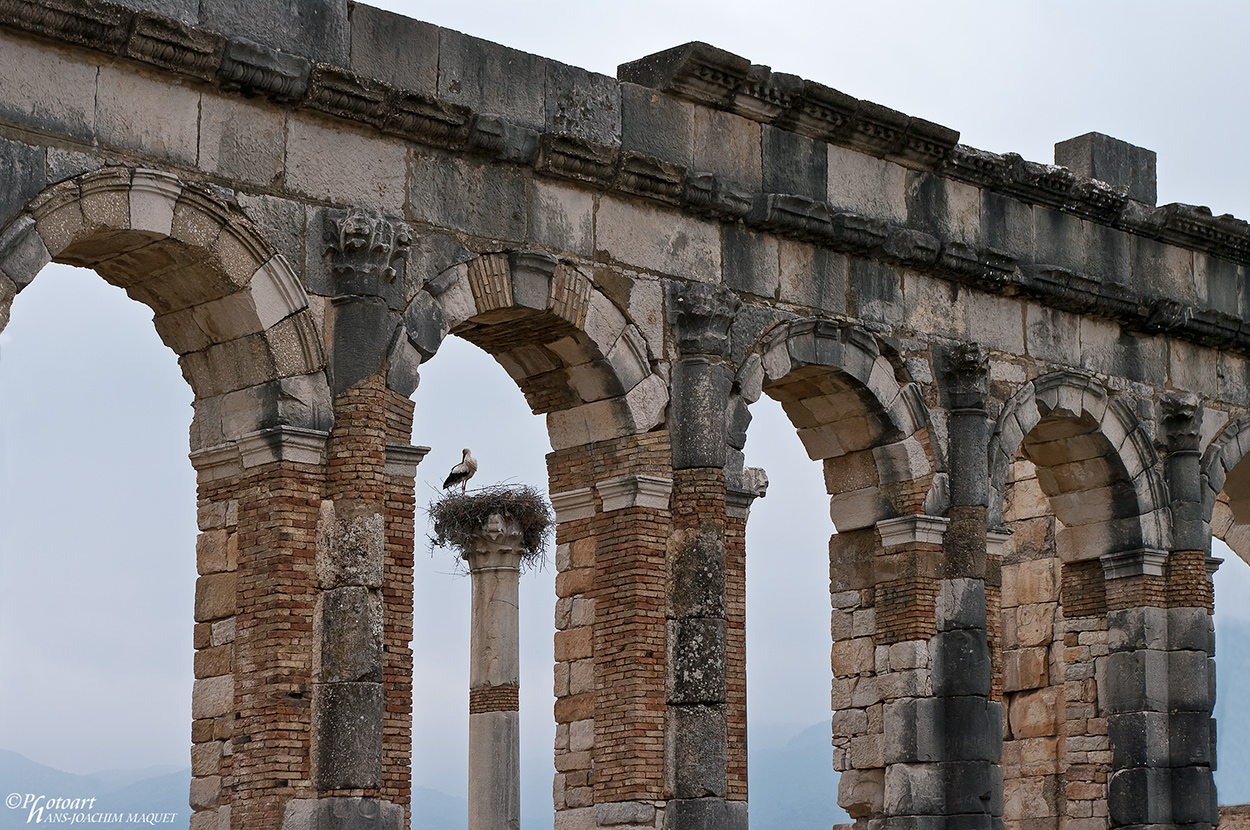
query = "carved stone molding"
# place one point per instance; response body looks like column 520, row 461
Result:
column 754, row 486
column 1144, row 562
column 994, row 541
column 572, row 505
column 402, row 459
column 634, row 491
column 1182, row 423
column 216, row 463
column 912, row 530
column 302, row 446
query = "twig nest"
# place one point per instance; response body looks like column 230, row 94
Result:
column 459, row 519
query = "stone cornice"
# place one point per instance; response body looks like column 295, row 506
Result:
column 634, row 491
column 912, row 530
column 573, row 505
column 710, row 77
column 402, row 459
column 1144, row 562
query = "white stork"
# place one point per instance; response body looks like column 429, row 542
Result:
column 462, row 472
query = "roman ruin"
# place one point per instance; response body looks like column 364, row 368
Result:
column 1028, row 386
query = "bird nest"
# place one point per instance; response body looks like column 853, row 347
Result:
column 457, row 518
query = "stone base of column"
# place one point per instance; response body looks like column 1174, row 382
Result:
column 705, row 814
column 342, row 814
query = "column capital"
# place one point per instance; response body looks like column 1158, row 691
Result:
column 701, row 314
column 365, row 249
column 1181, row 422
column 965, row 373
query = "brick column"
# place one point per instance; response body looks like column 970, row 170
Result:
column 1160, row 675
column 697, row 741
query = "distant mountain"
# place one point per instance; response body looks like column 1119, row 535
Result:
column 435, row 810
column 794, row 787
column 151, row 790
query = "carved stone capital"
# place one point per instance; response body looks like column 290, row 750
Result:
column 965, row 375
column 365, row 249
column 738, row 500
column 497, row 545
column 700, row 314
column 1181, row 422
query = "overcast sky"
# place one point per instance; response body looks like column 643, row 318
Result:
column 97, row 503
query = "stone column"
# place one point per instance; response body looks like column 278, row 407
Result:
column 697, row 739
column 1160, row 674
column 955, row 737
column 494, row 677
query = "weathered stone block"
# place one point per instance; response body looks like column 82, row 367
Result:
column 241, row 140
column 214, row 596
column 348, row 625
column 812, row 276
column 1037, row 713
column 961, row 604
column 794, row 164
column 1137, row 681
column 343, row 165
column 390, row 47
column 349, row 546
column 697, row 568
column 1025, row 668
column 1139, row 796
column 697, row 742
column 656, row 124
column 875, row 292
column 749, row 260
column 342, row 813
column 866, row 185
column 862, row 792
column 704, row 814
column 658, row 239
column 212, row 697
column 1194, row 796
column 912, row 789
column 490, row 78
column 1110, row 160
column 468, row 195
column 946, row 209
column 583, row 104
column 913, row 730
column 318, row 29
column 347, row 735
column 1190, row 675
column 46, row 88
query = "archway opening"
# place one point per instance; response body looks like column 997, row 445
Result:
column 1232, row 651
column 467, row 399
column 97, row 551
column 789, row 740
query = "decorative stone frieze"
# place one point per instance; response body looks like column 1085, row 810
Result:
column 173, row 45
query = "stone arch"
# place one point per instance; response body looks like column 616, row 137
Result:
column 1076, row 501
column 577, row 358
column 855, row 414
column 1226, row 487
column 1090, row 443
column 223, row 299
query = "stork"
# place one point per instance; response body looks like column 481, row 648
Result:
column 462, row 472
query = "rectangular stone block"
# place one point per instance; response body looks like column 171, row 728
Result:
column 46, row 87
column 489, row 78
column 1137, row 681
column 794, row 164
column 348, row 625
column 1139, row 739
column 1189, row 681
column 347, row 735
column 584, row 104
column 749, row 260
column 1111, row 160
column 961, row 663
column 214, row 596
column 341, row 164
column 912, row 789
column 913, row 730
column 947, row 209
column 140, row 113
column 865, row 185
column 1139, row 796
column 658, row 239
column 242, row 140
column 697, row 660
column 468, row 195
column 390, row 47
column 212, row 697
column 656, row 124
column 812, row 276
column 697, row 746
column 316, row 29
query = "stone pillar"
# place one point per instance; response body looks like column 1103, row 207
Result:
column 697, row 739
column 947, row 747
column 494, row 677
column 1160, row 674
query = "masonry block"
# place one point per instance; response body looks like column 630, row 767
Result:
column 347, row 735
column 700, row 396
column 342, row 813
column 697, row 746
column 1139, row 796
column 390, row 47
column 912, row 789
column 705, row 814
column 961, row 663
column 490, row 78
column 1111, row 160
column 584, row 104
column 961, row 604
column 1190, row 681
column 1139, row 739
column 1193, row 796
column 697, row 566
column 348, row 626
column 914, row 730
column 697, row 655
column 794, row 164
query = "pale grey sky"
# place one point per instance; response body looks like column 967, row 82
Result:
column 97, row 498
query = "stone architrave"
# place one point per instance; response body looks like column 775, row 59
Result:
column 494, row 677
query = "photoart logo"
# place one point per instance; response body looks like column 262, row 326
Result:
column 45, row 809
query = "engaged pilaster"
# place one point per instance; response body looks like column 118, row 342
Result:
column 696, row 687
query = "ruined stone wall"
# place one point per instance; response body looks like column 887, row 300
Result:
column 1027, row 388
